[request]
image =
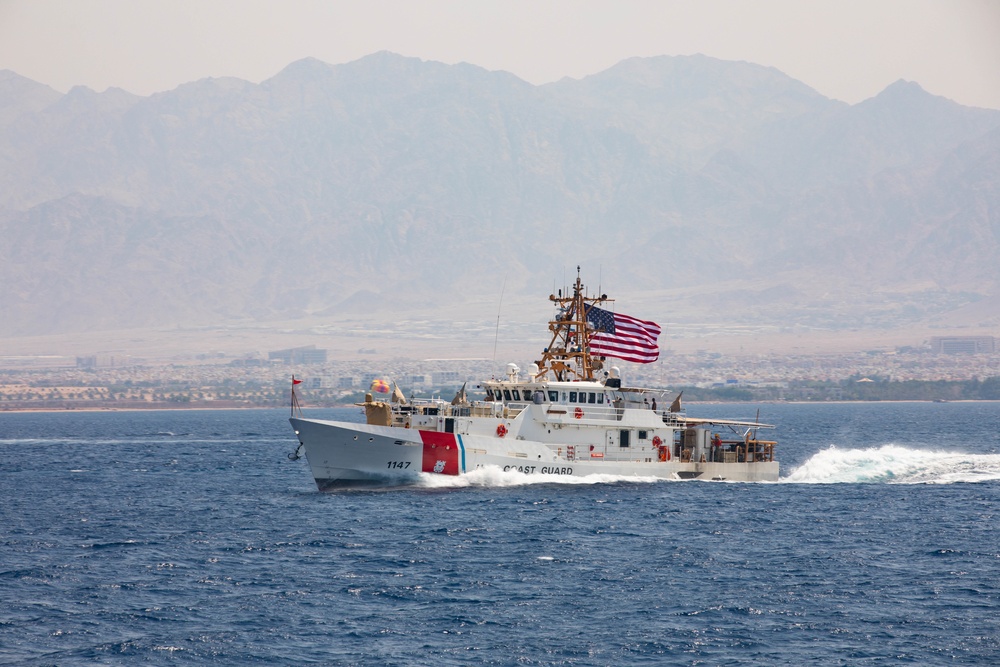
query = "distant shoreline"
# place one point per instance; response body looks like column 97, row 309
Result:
column 202, row 408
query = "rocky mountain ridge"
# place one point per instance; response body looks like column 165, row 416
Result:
column 389, row 184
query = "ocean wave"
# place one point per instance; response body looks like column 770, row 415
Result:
column 493, row 476
column 895, row 464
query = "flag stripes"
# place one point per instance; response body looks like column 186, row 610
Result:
column 623, row 337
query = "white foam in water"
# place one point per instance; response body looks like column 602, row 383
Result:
column 893, row 464
column 493, row 476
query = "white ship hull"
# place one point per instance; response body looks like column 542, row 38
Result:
column 343, row 454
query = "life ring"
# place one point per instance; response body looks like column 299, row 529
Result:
column 501, row 430
column 578, row 413
column 656, row 441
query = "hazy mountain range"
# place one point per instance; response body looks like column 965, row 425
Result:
column 391, row 185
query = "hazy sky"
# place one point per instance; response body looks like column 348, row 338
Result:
column 845, row 49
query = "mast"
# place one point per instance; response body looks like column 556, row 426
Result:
column 568, row 355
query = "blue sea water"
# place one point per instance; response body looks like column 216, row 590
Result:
column 190, row 537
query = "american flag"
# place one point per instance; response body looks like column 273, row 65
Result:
column 623, row 337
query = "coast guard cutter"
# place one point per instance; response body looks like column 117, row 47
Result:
column 567, row 415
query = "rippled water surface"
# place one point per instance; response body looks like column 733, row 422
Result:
column 190, row 537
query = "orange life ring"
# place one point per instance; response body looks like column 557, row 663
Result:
column 578, row 413
column 501, row 430
column 656, row 441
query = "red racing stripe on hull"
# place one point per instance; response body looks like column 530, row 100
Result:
column 440, row 452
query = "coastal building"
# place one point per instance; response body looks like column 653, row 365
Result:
column 963, row 344
column 446, row 378
column 308, row 354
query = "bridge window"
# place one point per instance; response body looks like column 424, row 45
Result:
column 592, row 398
column 554, row 396
column 572, row 397
column 516, row 394
column 506, row 394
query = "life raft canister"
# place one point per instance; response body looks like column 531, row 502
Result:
column 578, row 413
column 501, row 430
column 664, row 453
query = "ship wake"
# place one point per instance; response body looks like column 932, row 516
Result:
column 494, row 477
column 895, row 464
